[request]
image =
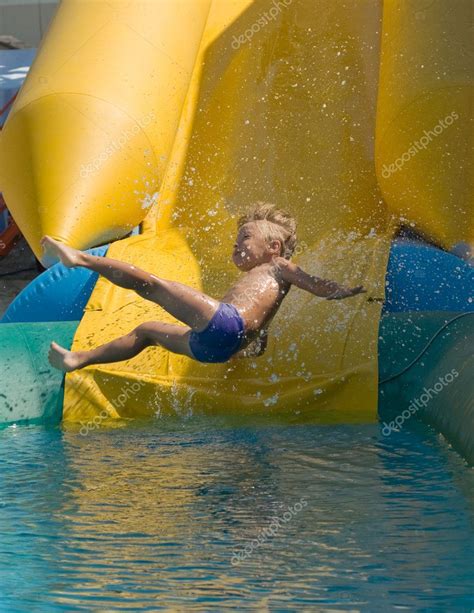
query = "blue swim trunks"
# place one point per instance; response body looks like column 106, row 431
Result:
column 222, row 337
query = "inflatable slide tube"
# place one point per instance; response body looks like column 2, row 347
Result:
column 31, row 390
column 426, row 366
column 84, row 149
column 423, row 278
column 58, row 294
column 251, row 104
column 424, row 117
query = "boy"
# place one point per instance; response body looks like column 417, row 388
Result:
column 213, row 330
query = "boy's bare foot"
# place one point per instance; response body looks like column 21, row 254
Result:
column 62, row 359
column 54, row 249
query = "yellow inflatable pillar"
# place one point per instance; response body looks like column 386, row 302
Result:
column 281, row 107
column 85, row 147
column 425, row 117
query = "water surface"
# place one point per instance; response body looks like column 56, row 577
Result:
column 195, row 516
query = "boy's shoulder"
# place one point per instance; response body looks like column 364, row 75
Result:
column 261, row 268
column 281, row 265
column 268, row 268
column 284, row 270
column 279, row 268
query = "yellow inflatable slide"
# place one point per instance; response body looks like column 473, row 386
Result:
column 180, row 114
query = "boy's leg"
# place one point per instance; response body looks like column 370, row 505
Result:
column 188, row 305
column 171, row 337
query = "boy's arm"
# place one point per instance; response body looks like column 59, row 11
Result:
column 324, row 288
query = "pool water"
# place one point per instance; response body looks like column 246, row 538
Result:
column 198, row 516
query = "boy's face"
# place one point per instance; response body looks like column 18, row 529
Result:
column 251, row 248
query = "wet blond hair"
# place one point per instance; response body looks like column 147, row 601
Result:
column 276, row 224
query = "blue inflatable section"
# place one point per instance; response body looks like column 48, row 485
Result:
column 423, row 278
column 57, row 294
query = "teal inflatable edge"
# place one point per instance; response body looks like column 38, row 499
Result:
column 426, row 368
column 31, row 390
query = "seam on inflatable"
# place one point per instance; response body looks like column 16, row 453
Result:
column 438, row 332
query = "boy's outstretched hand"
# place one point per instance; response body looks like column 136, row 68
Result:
column 347, row 293
column 54, row 250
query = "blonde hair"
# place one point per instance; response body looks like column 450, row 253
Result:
column 277, row 225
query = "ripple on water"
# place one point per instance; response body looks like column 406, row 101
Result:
column 148, row 517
